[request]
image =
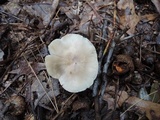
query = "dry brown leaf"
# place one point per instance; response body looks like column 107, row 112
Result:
column 1, row 55
column 41, row 97
column 157, row 4
column 80, row 104
column 151, row 109
column 128, row 16
column 24, row 69
column 123, row 4
column 156, row 96
column 123, row 95
column 148, row 17
column 108, row 96
column 83, row 13
column 110, row 101
column 13, row 7
column 43, row 11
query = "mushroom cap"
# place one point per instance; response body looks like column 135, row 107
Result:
column 72, row 60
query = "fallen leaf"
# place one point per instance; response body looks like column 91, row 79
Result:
column 156, row 96
column 151, row 109
column 13, row 7
column 128, row 17
column 44, row 11
column 1, row 55
column 122, row 97
column 148, row 17
column 41, row 97
column 108, row 96
column 24, row 69
column 110, row 101
column 143, row 94
column 80, row 104
column 82, row 14
column 145, row 106
column 157, row 4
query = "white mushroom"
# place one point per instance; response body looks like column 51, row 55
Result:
column 72, row 60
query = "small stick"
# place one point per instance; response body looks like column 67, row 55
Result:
column 41, row 85
column 54, row 7
column 9, row 14
column 100, row 18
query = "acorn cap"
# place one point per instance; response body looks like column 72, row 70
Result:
column 72, row 60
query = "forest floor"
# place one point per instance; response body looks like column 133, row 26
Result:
column 126, row 35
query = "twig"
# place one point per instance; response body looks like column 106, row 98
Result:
column 108, row 49
column 108, row 60
column 15, row 58
column 129, row 37
column 9, row 14
column 97, row 108
column 100, row 18
column 54, row 7
column 64, row 107
column 100, row 57
column 49, row 81
column 14, row 79
column 98, row 80
column 105, row 70
column 41, row 84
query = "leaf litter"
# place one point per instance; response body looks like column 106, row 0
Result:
column 125, row 28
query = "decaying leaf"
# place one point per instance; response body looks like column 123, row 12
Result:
column 1, row 55
column 142, row 106
column 83, row 13
column 41, row 97
column 110, row 101
column 157, row 4
column 156, row 96
column 43, row 11
column 122, row 96
column 128, row 16
column 147, row 107
column 143, row 94
column 148, row 17
column 24, row 69
column 80, row 104
column 109, row 96
column 13, row 7
column 122, row 64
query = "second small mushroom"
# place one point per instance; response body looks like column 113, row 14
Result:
column 72, row 60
